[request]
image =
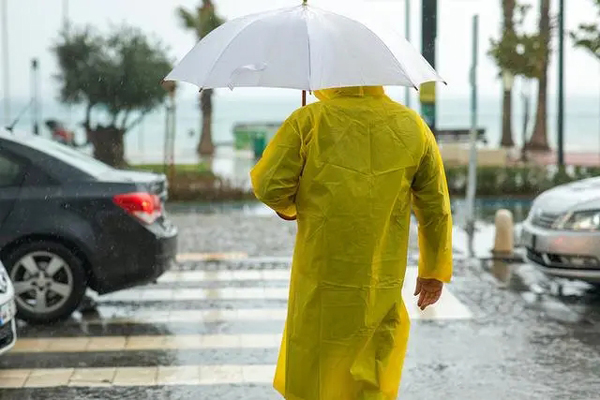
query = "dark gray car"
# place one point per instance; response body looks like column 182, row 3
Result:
column 69, row 222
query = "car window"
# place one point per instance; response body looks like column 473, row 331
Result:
column 10, row 171
column 70, row 156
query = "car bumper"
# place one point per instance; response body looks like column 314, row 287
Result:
column 8, row 335
column 573, row 255
column 142, row 262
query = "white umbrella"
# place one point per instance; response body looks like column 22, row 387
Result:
column 302, row 47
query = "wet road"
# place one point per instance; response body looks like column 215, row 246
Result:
column 211, row 329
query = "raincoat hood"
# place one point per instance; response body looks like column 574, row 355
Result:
column 353, row 91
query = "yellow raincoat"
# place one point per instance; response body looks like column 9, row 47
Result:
column 350, row 167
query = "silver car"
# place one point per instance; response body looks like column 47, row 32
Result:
column 8, row 334
column 562, row 232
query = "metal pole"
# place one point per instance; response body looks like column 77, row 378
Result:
column 5, row 62
column 472, row 183
column 407, row 27
column 525, row 92
column 561, row 84
column 35, row 109
column 172, row 132
column 428, row 37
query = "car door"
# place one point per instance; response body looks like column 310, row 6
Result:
column 12, row 171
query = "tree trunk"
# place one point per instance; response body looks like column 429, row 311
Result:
column 109, row 145
column 539, row 139
column 206, row 146
column 508, row 10
column 507, row 135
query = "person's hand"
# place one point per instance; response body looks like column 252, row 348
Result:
column 287, row 218
column 429, row 292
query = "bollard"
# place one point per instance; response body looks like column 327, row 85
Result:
column 504, row 241
column 502, row 271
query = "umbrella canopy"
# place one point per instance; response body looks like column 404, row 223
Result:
column 302, row 47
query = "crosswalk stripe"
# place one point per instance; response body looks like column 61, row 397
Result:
column 145, row 316
column 211, row 256
column 447, row 309
column 137, row 376
column 153, row 294
column 138, row 343
column 224, row 276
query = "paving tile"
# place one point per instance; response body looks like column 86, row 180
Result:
column 221, row 341
column 258, row 373
column 144, row 342
column 92, row 377
column 221, row 374
column 68, row 345
column 13, row 378
column 135, row 376
column 260, row 341
column 51, row 377
column 179, row 375
column 109, row 343
column 30, row 345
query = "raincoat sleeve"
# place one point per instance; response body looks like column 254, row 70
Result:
column 431, row 204
column 276, row 176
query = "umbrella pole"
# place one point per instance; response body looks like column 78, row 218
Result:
column 303, row 98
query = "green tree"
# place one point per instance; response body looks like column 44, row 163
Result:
column 587, row 35
column 203, row 21
column 115, row 76
column 515, row 53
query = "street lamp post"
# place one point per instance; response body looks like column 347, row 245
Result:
column 5, row 63
column 525, row 96
column 561, row 84
column 472, row 180
column 407, row 33
column 35, row 96
column 429, row 37
column 169, row 148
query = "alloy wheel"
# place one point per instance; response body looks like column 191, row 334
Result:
column 43, row 282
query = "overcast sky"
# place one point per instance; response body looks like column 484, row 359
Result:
column 34, row 24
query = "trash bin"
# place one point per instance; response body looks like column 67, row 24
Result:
column 259, row 142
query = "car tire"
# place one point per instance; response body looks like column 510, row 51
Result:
column 49, row 279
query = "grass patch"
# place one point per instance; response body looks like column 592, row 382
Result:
column 201, row 168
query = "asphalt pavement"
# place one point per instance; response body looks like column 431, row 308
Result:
column 211, row 329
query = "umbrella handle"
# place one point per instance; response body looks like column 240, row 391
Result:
column 303, row 98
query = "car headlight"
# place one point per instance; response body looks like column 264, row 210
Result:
column 581, row 221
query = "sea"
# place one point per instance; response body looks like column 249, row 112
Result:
column 145, row 143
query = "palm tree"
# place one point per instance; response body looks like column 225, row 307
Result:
column 516, row 54
column 508, row 10
column 587, row 36
column 539, row 139
column 203, row 21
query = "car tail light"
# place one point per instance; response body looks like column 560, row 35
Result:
column 146, row 207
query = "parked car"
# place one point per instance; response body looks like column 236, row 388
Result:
column 562, row 232
column 69, row 222
column 8, row 333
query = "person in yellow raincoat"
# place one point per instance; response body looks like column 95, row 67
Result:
column 349, row 168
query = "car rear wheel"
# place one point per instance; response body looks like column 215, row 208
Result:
column 49, row 281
